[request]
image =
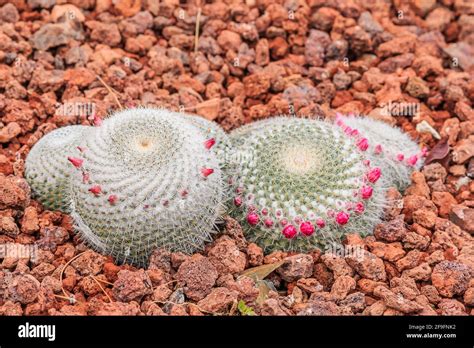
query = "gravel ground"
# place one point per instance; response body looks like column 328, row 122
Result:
column 254, row 59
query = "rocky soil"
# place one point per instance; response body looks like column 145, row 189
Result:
column 254, row 59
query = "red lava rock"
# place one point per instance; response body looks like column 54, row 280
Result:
column 160, row 259
column 131, row 285
column 10, row 308
column 451, row 278
column 199, row 276
column 255, row 255
column 451, row 307
column 396, row 301
column 337, row 265
column 424, row 218
column 229, row 40
column 10, row 131
column 296, row 267
column 30, row 222
column 218, row 300
column 342, row 286
column 272, row 307
column 89, row 263
column 14, row 193
column 419, row 186
column 226, row 257
column 23, row 289
column 8, row 226
column 106, row 33
column 114, row 308
column 320, row 308
column 366, row 264
column 463, row 217
column 391, row 231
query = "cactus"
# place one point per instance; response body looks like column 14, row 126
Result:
column 388, row 147
column 47, row 168
column 148, row 179
column 303, row 184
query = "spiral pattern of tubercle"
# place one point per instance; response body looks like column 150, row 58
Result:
column 147, row 165
column 389, row 148
column 223, row 150
column 47, row 168
column 325, row 182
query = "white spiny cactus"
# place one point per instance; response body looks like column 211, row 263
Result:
column 387, row 147
column 303, row 184
column 47, row 168
column 148, row 179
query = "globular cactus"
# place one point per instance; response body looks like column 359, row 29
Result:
column 303, row 184
column 387, row 147
column 47, row 168
column 148, row 179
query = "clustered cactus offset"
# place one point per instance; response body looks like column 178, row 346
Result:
column 48, row 166
column 303, row 184
column 387, row 147
column 148, row 178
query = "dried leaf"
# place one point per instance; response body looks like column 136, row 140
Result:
column 438, row 152
column 260, row 272
column 264, row 290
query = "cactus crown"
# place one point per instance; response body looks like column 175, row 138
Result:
column 388, row 147
column 148, row 180
column 47, row 168
column 302, row 184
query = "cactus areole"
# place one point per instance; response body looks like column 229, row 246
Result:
column 300, row 182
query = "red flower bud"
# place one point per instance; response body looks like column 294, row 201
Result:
column 307, row 228
column 289, row 231
column 209, row 143
column 76, row 162
column 342, row 218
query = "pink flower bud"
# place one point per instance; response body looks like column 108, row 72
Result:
column 363, row 144
column 289, row 231
column 355, row 132
column 207, row 171
column 268, row 222
column 378, row 149
column 76, row 162
column 400, row 157
column 284, row 222
column 252, row 219
column 264, row 211
column 366, row 162
column 97, row 121
column 81, row 149
column 238, row 201
column 184, row 193
column 307, row 228
column 342, row 218
column 412, row 160
column 348, row 130
column 320, row 223
column 424, row 151
column 209, row 143
column 112, row 199
column 374, row 174
column 96, row 189
column 359, row 208
column 366, row 192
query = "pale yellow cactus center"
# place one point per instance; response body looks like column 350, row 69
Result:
column 300, row 159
